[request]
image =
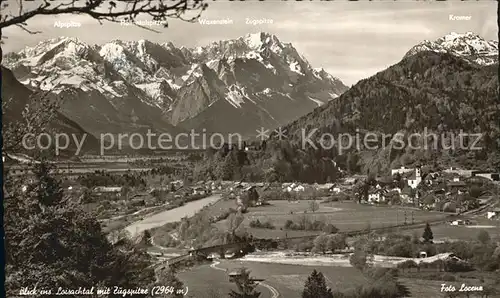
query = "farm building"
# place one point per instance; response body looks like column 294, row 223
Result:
column 199, row 190
column 488, row 175
column 460, row 172
column 415, row 178
column 457, row 186
column 377, row 195
column 293, row 187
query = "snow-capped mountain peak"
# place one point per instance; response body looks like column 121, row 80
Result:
column 322, row 74
column 258, row 79
column 262, row 40
column 469, row 46
column 112, row 52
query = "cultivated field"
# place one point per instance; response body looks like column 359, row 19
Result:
column 208, row 282
column 221, row 207
column 446, row 231
column 346, row 216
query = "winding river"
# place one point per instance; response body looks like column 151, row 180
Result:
column 168, row 216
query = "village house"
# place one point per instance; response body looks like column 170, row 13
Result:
column 138, row 202
column 231, row 194
column 329, row 187
column 429, row 201
column 396, row 190
column 145, row 199
column 253, row 196
column 456, row 187
column 108, row 189
column 293, row 187
column 178, row 183
column 199, row 190
column 215, row 185
column 350, row 181
column 160, row 188
column 325, row 186
column 431, row 179
column 407, row 195
column 393, row 197
column 401, row 171
column 494, row 214
column 238, row 186
column 415, row 179
column 183, row 192
column 334, row 189
column 460, row 222
column 488, row 175
column 460, row 172
column 440, row 191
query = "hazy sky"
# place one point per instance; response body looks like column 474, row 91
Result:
column 351, row 40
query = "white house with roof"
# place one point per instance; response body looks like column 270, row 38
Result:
column 293, row 187
column 461, row 172
column 330, row 187
column 494, row 214
column 488, row 175
column 416, row 178
column 377, row 195
column 108, row 189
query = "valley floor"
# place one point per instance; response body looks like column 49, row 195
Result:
column 211, row 281
column 169, row 216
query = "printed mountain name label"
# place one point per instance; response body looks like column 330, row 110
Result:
column 69, row 24
column 216, row 22
column 459, row 18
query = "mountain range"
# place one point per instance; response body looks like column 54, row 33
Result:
column 468, row 46
column 442, row 87
column 234, row 86
column 256, row 81
column 429, row 87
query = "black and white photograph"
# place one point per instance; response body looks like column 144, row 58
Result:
column 250, row 149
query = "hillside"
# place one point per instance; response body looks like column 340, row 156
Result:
column 16, row 96
column 426, row 92
column 468, row 46
column 429, row 90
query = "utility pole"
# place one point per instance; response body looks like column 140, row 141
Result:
column 412, row 217
column 405, row 217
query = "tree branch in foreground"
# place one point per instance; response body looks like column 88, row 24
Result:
column 101, row 10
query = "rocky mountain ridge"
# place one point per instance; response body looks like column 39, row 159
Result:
column 468, row 46
column 250, row 82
